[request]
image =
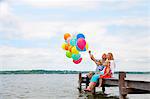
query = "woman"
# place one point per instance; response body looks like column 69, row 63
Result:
column 99, row 63
column 112, row 63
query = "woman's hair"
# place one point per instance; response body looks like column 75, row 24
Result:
column 111, row 56
column 104, row 56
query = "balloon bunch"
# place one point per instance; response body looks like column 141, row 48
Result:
column 73, row 45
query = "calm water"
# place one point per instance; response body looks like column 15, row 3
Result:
column 52, row 86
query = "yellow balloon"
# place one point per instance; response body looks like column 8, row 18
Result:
column 74, row 50
column 69, row 48
column 87, row 46
column 63, row 46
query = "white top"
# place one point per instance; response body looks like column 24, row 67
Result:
column 112, row 66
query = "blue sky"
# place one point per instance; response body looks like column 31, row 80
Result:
column 31, row 33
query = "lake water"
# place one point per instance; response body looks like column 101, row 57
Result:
column 53, row 86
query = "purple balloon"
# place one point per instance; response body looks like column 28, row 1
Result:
column 81, row 43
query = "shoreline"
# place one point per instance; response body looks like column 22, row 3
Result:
column 57, row 72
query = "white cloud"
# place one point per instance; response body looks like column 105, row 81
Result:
column 85, row 4
column 9, row 23
column 122, row 4
column 48, row 29
column 58, row 3
column 26, row 58
column 126, row 53
column 4, row 9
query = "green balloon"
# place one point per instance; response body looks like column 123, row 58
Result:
column 76, row 56
column 68, row 54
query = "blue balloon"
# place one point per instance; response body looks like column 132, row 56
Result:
column 80, row 35
column 73, row 41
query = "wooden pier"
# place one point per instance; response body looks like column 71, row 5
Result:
column 125, row 86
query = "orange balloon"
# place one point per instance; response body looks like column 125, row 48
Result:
column 66, row 36
column 67, row 46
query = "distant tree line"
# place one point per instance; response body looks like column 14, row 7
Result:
column 56, row 72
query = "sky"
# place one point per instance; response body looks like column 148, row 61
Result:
column 31, row 33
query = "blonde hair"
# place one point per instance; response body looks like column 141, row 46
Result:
column 100, row 61
column 111, row 56
column 106, row 63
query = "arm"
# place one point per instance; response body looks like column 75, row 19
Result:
column 92, row 57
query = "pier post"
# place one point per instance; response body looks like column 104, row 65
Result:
column 103, row 85
column 80, row 82
column 122, row 87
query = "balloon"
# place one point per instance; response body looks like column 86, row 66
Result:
column 76, row 56
column 70, row 47
column 73, row 41
column 66, row 36
column 68, row 54
column 67, row 46
column 77, row 61
column 80, row 49
column 63, row 46
column 87, row 46
column 80, row 36
column 81, row 43
column 68, row 40
column 74, row 50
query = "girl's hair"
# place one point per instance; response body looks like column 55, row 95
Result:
column 100, row 61
column 111, row 56
column 106, row 63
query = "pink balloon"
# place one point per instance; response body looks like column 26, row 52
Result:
column 77, row 61
column 81, row 43
column 68, row 40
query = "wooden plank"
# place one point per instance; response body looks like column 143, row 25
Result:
column 142, row 85
column 111, row 82
column 136, row 91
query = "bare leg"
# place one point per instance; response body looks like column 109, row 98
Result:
column 100, row 82
column 93, row 86
column 90, row 87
